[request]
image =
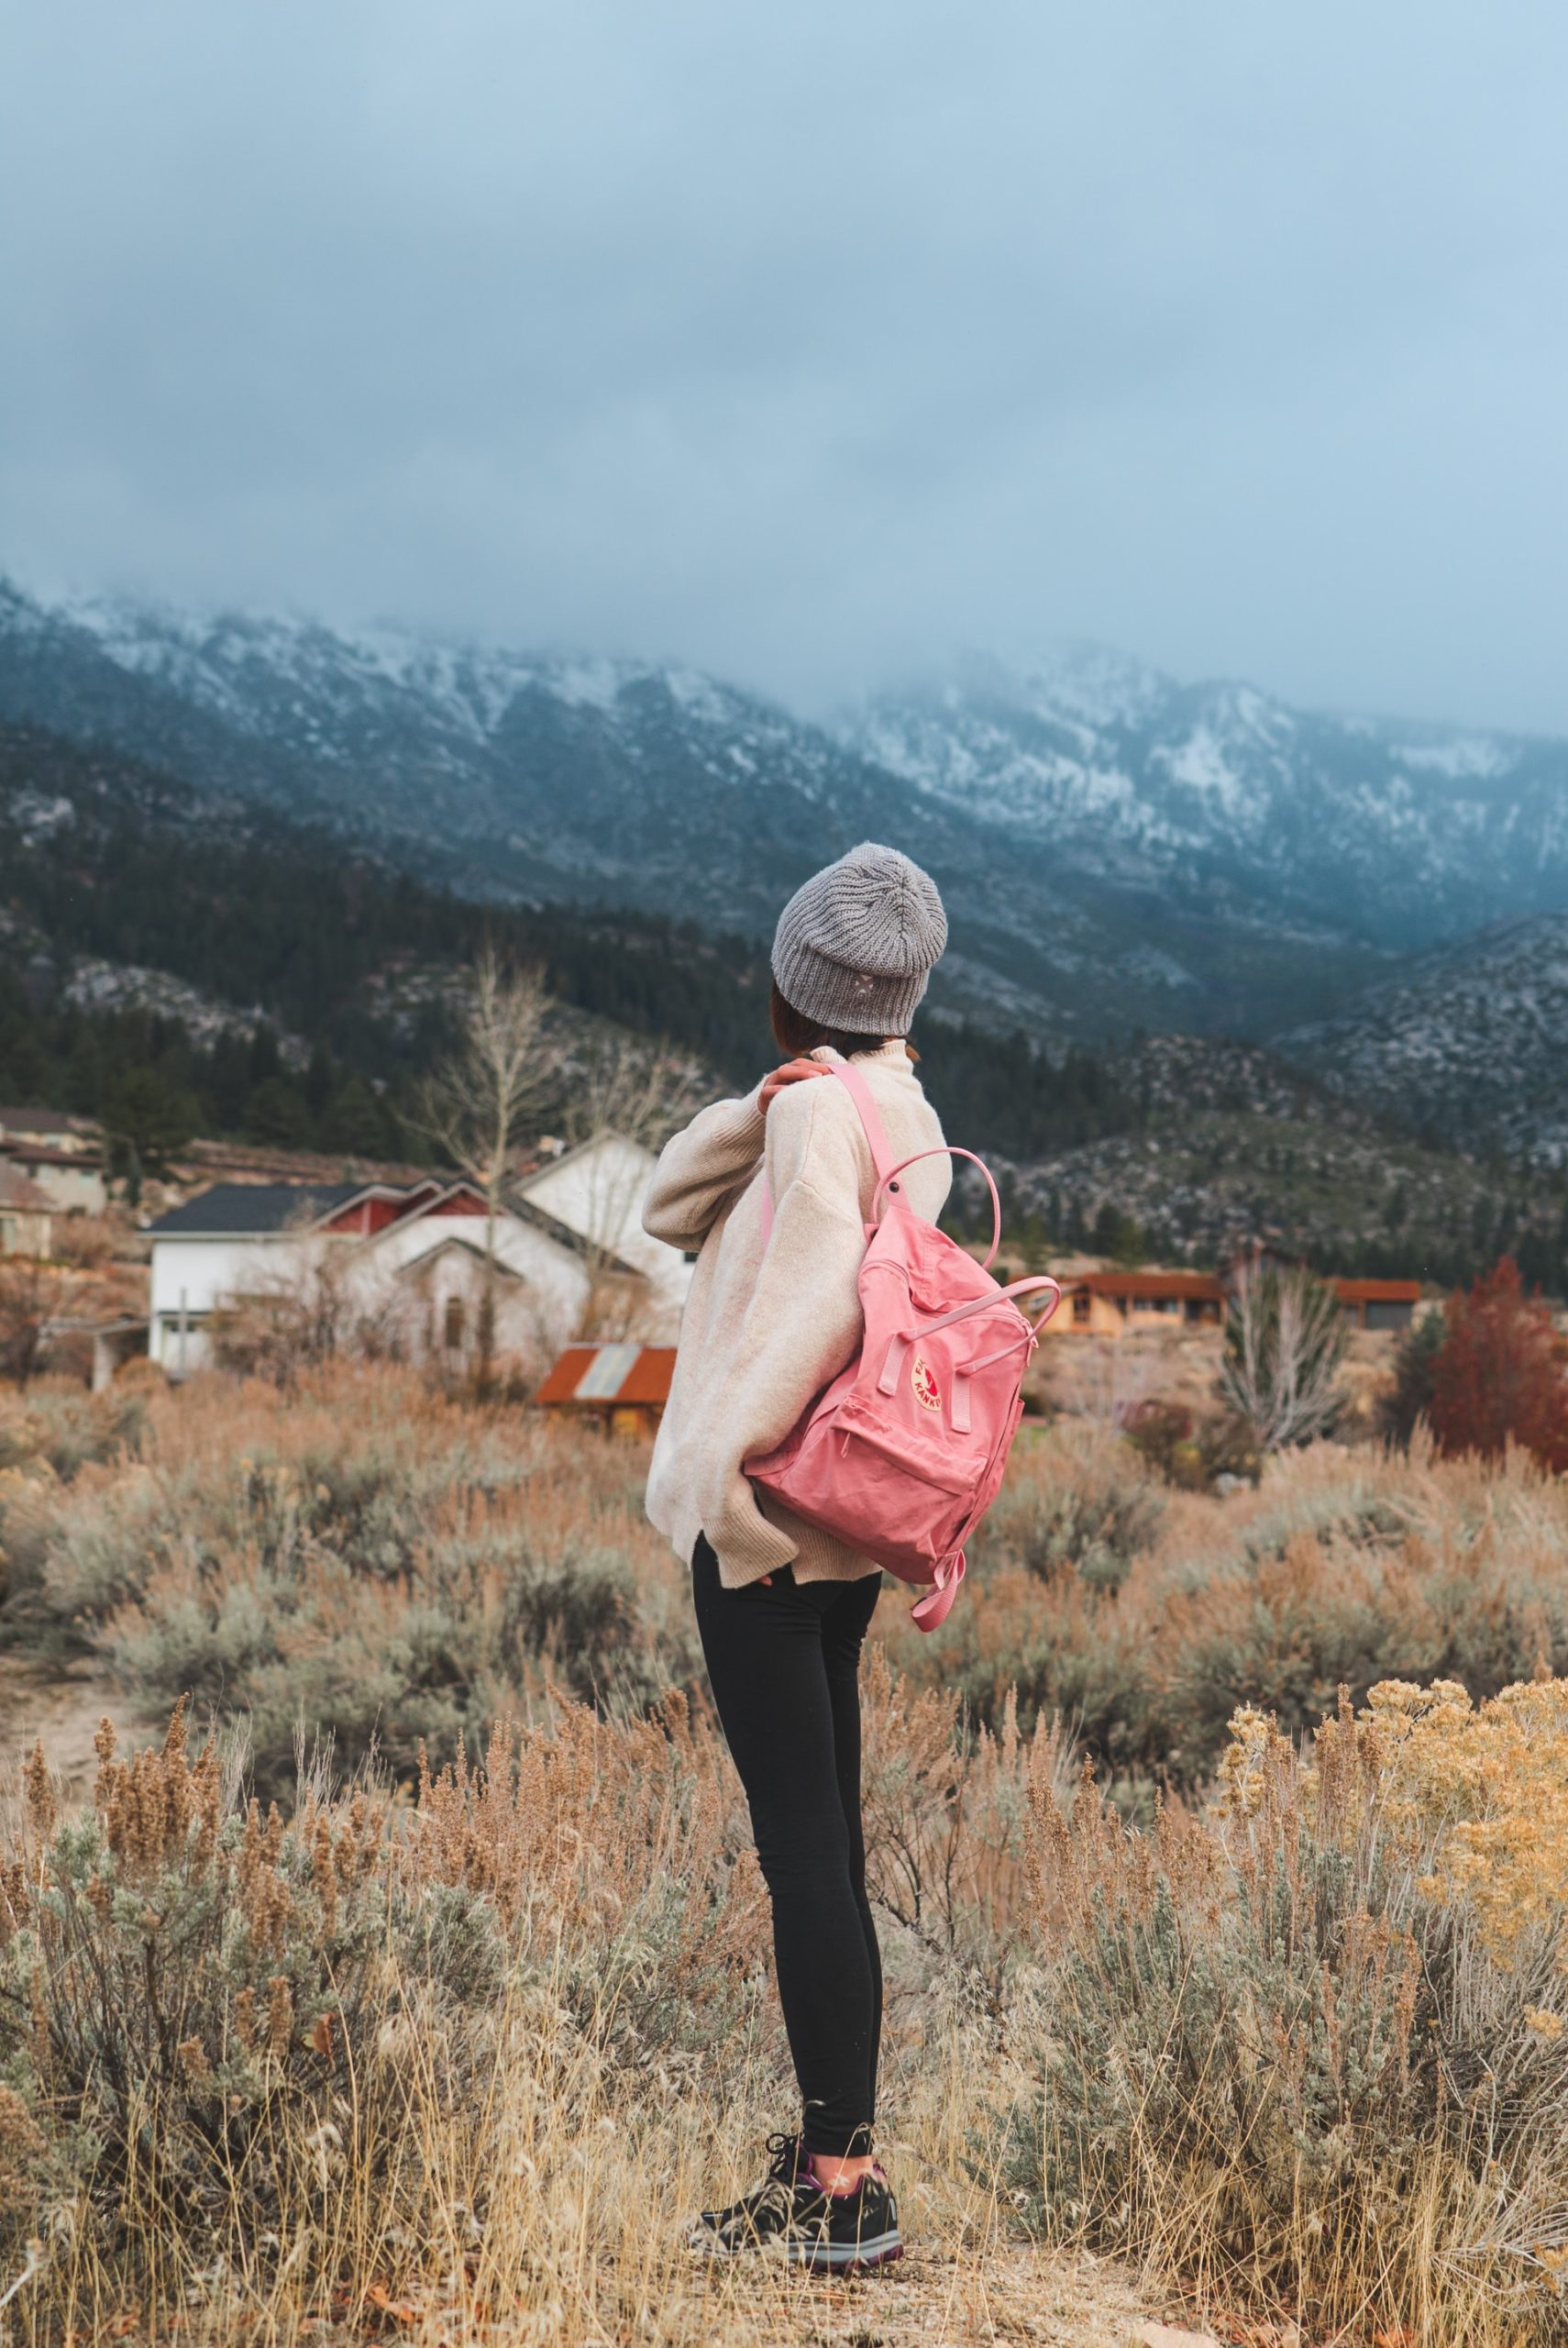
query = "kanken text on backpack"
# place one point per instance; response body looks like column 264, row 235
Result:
column 901, row 1455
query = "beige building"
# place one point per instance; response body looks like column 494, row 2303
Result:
column 26, row 1215
column 1116, row 1304
column 1113, row 1304
column 63, row 1154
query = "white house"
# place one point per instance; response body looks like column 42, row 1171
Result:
column 412, row 1258
column 596, row 1192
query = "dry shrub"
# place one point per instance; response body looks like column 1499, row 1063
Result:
column 1307, row 2050
column 478, row 2047
column 619, row 1851
column 1092, row 1514
column 1344, row 1568
column 477, row 2056
column 1194, row 1449
column 371, row 1561
column 474, row 2054
column 945, row 1818
column 1309, row 2046
column 56, row 1423
column 361, row 1559
column 86, row 1241
column 213, row 2025
column 49, row 1434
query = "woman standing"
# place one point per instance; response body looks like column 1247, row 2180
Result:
column 783, row 1608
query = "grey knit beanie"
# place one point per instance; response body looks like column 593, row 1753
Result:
column 855, row 947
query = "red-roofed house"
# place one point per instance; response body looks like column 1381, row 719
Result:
column 1380, row 1304
column 1115, row 1304
column 1109, row 1304
column 411, row 1257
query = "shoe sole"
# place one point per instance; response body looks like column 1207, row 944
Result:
column 845, row 2257
column 817, row 2258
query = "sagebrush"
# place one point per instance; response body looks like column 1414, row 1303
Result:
column 1217, row 1848
column 1304, row 2048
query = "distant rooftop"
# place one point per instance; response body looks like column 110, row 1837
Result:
column 44, row 1121
column 1201, row 1286
column 598, row 1376
column 235, row 1210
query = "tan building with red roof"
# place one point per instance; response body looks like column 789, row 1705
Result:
column 1115, row 1304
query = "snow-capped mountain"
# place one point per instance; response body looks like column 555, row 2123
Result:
column 1469, row 1043
column 1116, row 850
column 1402, row 834
column 535, row 777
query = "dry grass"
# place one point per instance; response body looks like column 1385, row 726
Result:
column 469, row 2063
column 455, row 2047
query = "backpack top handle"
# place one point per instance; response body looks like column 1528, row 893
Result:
column 889, row 1185
column 887, row 1172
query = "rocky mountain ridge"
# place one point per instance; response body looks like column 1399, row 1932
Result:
column 1468, row 1045
column 1120, row 852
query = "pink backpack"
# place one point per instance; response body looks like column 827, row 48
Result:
column 901, row 1456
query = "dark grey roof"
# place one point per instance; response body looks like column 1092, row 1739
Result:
column 44, row 1121
column 247, row 1209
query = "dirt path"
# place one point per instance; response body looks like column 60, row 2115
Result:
column 1009, row 2296
column 1023, row 2297
column 62, row 1709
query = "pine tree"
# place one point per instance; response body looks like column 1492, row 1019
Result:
column 277, row 1114
column 147, row 1118
column 1410, row 1397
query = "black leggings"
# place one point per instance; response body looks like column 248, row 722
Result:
column 784, row 1661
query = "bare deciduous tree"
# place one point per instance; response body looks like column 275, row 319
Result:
column 30, row 1295
column 310, row 1308
column 1284, row 1342
column 474, row 1105
column 633, row 1094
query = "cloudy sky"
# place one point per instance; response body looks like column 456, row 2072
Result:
column 810, row 341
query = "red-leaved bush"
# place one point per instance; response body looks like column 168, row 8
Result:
column 1499, row 1377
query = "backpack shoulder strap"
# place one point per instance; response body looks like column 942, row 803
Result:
column 860, row 1092
column 882, row 1159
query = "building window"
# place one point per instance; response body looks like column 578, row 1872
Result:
column 1083, row 1305
column 452, row 1324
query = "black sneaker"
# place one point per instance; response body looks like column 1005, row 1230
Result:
column 792, row 2217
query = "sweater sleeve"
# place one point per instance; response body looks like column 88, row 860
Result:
column 804, row 1318
column 703, row 1170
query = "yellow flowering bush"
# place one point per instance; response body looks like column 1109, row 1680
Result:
column 1484, row 1788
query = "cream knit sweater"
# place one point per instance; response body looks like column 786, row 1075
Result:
column 763, row 1333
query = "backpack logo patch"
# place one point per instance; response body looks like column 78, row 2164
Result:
column 927, row 1394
